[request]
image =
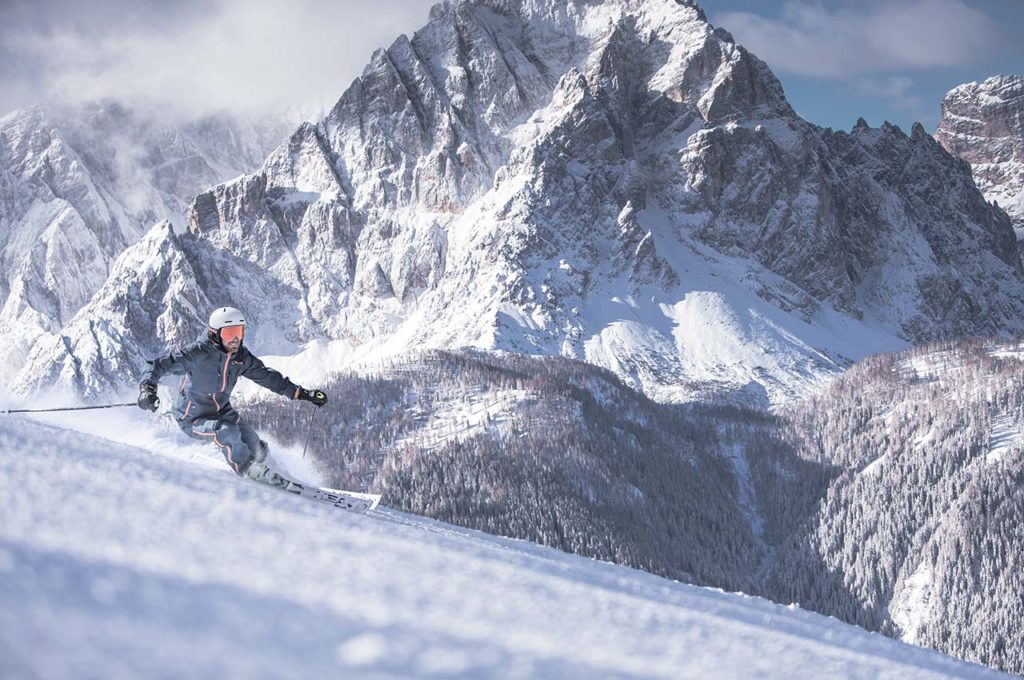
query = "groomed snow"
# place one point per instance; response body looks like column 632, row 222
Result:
column 124, row 562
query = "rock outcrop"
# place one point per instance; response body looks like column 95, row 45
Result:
column 983, row 123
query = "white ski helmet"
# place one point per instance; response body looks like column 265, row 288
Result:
column 226, row 316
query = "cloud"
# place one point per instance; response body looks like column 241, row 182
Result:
column 896, row 89
column 254, row 56
column 865, row 37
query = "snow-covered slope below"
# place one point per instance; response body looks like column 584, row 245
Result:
column 119, row 561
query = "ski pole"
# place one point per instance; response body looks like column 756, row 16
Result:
column 308, row 431
column 70, row 408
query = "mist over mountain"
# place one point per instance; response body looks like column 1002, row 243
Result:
column 80, row 184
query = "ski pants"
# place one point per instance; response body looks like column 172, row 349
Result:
column 237, row 440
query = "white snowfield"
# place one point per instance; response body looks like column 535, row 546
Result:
column 118, row 561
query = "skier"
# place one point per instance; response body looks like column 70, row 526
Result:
column 211, row 366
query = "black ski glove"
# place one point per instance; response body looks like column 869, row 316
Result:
column 148, row 401
column 315, row 397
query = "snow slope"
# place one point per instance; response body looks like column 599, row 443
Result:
column 119, row 561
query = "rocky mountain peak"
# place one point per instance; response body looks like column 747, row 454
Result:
column 992, row 112
column 983, row 123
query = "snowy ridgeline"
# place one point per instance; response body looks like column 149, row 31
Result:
column 81, row 183
column 126, row 562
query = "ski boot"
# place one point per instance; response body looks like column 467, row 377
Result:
column 264, row 474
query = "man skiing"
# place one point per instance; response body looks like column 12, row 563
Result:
column 211, row 366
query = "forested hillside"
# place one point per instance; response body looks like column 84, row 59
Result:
column 560, row 453
column 919, row 534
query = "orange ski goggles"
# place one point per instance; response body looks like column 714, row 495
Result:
column 229, row 333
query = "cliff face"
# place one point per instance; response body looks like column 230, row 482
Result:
column 983, row 123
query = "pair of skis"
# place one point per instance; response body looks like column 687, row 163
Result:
column 346, row 500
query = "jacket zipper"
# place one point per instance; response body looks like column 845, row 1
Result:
column 224, row 381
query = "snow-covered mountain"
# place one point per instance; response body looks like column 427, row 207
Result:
column 983, row 123
column 126, row 562
column 615, row 181
column 80, row 184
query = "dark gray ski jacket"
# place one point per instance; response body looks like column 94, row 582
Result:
column 210, row 373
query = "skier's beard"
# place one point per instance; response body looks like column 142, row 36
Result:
column 231, row 347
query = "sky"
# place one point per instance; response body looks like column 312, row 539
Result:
column 194, row 56
column 837, row 59
column 883, row 60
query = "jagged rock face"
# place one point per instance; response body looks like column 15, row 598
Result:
column 76, row 187
column 983, row 123
column 161, row 287
column 58, row 232
column 614, row 181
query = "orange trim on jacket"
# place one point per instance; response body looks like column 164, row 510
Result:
column 218, row 442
